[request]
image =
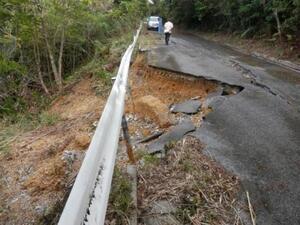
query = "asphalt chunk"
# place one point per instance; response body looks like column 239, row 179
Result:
column 175, row 134
column 188, row 107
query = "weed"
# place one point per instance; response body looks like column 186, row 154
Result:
column 201, row 191
column 104, row 75
column 150, row 160
column 140, row 153
column 188, row 208
column 51, row 214
column 121, row 202
column 170, row 145
column 48, row 119
column 147, row 159
column 187, row 166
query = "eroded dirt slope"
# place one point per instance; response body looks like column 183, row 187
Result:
column 42, row 164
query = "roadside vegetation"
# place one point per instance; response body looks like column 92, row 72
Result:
column 47, row 45
column 120, row 200
column 42, row 43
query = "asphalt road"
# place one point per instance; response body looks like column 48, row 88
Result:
column 254, row 134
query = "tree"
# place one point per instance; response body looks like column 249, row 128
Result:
column 42, row 41
column 250, row 17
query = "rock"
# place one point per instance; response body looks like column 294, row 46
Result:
column 153, row 108
column 151, row 137
column 129, row 117
column 41, row 209
column 163, row 207
column 161, row 214
column 69, row 156
column 161, row 220
column 83, row 140
column 95, row 124
column 188, row 107
column 175, row 134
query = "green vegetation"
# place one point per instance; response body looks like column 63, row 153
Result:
column 42, row 42
column 120, row 199
column 147, row 159
column 277, row 18
column 46, row 44
column 48, row 119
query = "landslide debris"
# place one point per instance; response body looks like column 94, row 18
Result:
column 153, row 108
column 41, row 165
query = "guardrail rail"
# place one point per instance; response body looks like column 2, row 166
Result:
column 87, row 202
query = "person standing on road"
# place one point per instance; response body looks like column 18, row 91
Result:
column 168, row 30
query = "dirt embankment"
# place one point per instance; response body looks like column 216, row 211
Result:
column 42, row 164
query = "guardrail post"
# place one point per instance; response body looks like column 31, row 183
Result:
column 127, row 140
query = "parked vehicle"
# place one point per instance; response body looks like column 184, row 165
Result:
column 153, row 23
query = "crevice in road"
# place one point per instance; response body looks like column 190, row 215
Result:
column 227, row 89
column 253, row 80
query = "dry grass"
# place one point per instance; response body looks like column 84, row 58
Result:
column 201, row 190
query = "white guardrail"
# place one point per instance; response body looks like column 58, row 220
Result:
column 88, row 199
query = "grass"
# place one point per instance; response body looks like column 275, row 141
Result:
column 147, row 159
column 120, row 200
column 48, row 119
column 150, row 160
column 10, row 128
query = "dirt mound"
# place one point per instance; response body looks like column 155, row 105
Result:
column 153, row 108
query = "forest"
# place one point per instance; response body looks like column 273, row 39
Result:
column 277, row 18
column 42, row 42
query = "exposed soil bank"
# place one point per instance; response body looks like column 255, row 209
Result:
column 41, row 166
column 169, row 87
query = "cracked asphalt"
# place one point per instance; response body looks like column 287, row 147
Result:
column 254, row 134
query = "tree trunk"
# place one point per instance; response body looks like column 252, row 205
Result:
column 60, row 62
column 278, row 24
column 38, row 64
column 57, row 77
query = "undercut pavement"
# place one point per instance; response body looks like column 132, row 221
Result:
column 255, row 133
